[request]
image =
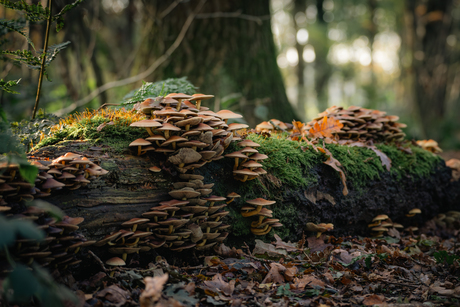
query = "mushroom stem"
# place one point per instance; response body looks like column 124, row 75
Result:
column 179, row 104
column 235, row 167
column 150, row 131
column 187, row 127
column 134, row 227
column 139, row 150
column 134, row 243
column 253, row 212
column 198, row 104
column 255, row 224
column 124, row 256
column 170, row 229
column 202, row 243
column 111, row 273
column 257, row 233
column 231, row 199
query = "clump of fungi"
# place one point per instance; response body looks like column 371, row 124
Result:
column 264, row 222
column 381, row 224
column 319, row 228
column 363, row 124
column 188, row 134
column 61, row 246
column 247, row 161
column 70, row 171
column 192, row 218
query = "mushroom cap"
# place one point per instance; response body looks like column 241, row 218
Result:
column 155, row 169
column 246, row 143
column 260, row 202
column 184, row 193
column 249, row 150
column 185, row 155
column 174, row 202
column 146, row 123
column 260, row 171
column 193, row 121
column 200, row 97
column 173, row 221
column 251, row 163
column 315, row 228
column 236, row 154
column 264, row 125
column 415, row 211
column 135, row 221
column 179, row 96
column 154, row 213
column 173, row 139
column 258, row 156
column 233, row 195
column 169, row 127
column 50, row 183
column 236, row 126
column 115, row 261
column 245, row 172
column 40, row 166
column 380, row 217
column 227, row 114
column 214, row 198
column 156, row 137
column 139, row 142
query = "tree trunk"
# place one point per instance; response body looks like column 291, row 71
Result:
column 228, row 49
column 300, row 7
column 432, row 24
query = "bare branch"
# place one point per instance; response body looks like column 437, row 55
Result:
column 170, row 8
column 140, row 76
column 237, row 14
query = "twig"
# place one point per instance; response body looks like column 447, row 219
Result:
column 170, row 8
column 98, row 261
column 258, row 19
column 105, row 105
column 140, row 76
column 42, row 68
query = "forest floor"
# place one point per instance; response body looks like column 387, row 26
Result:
column 399, row 269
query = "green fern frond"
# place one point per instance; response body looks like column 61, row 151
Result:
column 33, row 12
column 7, row 26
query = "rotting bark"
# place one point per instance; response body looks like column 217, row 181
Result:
column 130, row 189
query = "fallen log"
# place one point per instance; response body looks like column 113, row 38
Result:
column 305, row 189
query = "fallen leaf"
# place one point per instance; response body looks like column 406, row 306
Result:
column 290, row 273
column 335, row 164
column 307, row 280
column 290, row 247
column 317, row 244
column 329, row 198
column 325, row 127
column 383, row 157
column 275, row 274
column 153, row 288
column 262, row 248
column 115, row 295
column 373, row 299
column 217, row 284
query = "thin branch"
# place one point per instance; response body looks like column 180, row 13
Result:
column 140, row 76
column 42, row 68
column 170, row 8
column 258, row 19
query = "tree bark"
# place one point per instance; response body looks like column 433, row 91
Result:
column 228, row 49
column 432, row 24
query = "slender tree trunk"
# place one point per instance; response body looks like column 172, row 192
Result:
column 432, row 24
column 300, row 6
column 228, row 49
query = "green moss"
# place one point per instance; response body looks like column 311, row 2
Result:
column 117, row 137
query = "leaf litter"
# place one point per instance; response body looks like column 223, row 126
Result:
column 326, row 271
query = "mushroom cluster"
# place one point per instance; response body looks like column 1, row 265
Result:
column 430, row 145
column 247, row 166
column 70, row 171
column 363, row 124
column 272, row 125
column 190, row 135
column 191, row 219
column 319, row 228
column 381, row 224
column 60, row 247
column 264, row 222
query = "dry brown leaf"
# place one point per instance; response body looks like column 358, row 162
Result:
column 262, row 248
column 307, row 280
column 383, row 157
column 290, row 247
column 114, row 294
column 325, row 127
column 275, row 274
column 290, row 273
column 373, row 299
column 317, row 244
column 217, row 284
column 153, row 288
column 335, row 164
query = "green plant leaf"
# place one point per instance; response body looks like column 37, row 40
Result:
column 27, row 230
column 8, row 233
column 21, row 284
column 33, row 12
column 6, row 86
column 15, row 26
column 51, row 209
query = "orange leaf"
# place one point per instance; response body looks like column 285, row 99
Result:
column 335, row 164
column 297, row 126
column 326, row 127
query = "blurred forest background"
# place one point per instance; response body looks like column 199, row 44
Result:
column 285, row 59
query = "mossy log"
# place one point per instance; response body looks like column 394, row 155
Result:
column 306, row 190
